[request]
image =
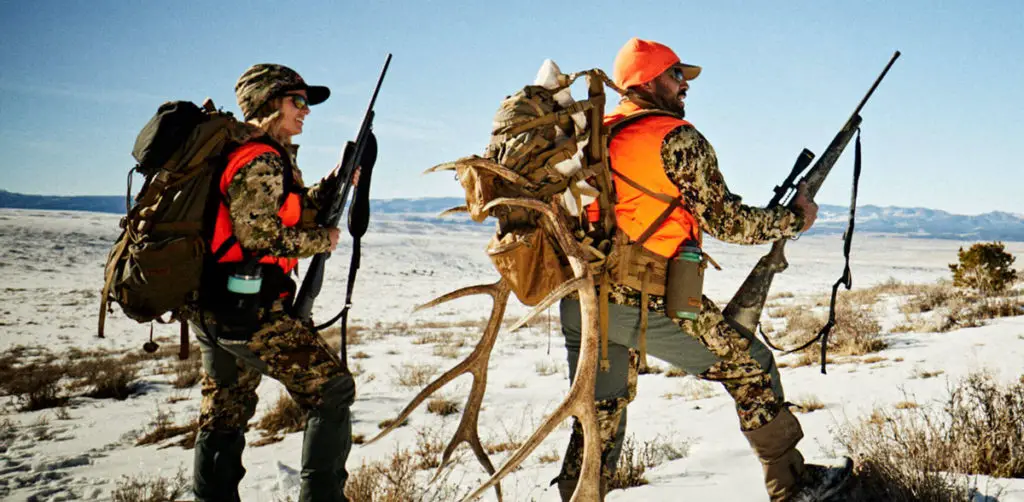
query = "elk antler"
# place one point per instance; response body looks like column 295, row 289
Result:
column 486, row 164
column 476, row 364
column 453, row 210
column 580, row 400
column 556, row 294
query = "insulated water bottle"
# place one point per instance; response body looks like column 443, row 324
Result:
column 684, row 286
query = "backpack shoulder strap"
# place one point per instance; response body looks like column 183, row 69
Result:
column 632, row 119
column 673, row 202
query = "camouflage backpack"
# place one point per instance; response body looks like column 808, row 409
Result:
column 545, row 146
column 155, row 265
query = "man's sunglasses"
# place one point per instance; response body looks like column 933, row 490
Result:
column 677, row 74
column 298, row 100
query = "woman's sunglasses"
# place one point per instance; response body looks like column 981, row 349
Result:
column 298, row 100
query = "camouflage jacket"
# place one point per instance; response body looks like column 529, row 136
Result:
column 254, row 198
column 691, row 164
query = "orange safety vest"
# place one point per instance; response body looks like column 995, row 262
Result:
column 224, row 242
column 635, row 152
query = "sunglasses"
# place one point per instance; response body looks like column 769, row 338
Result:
column 677, row 74
column 298, row 100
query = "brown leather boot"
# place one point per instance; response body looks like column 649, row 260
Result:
column 566, row 487
column 775, row 445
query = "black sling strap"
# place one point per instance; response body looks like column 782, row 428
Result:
column 845, row 280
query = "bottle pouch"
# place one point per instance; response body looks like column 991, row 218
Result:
column 238, row 314
column 684, row 286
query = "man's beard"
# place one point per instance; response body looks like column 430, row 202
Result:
column 660, row 99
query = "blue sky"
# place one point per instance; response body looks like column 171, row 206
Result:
column 78, row 79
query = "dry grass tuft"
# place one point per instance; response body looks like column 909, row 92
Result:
column 113, row 382
column 354, row 335
column 675, row 372
column 163, row 428
column 546, row 367
column 942, row 307
column 856, row 331
column 414, row 375
column 550, row 457
column 808, row 404
column 387, row 423
column 924, row 374
column 187, row 373
column 651, row 369
column 429, row 447
column 636, row 459
column 285, row 417
column 442, row 406
column 395, row 480
column 503, row 446
column 920, row 453
column 434, row 337
column 150, row 489
column 36, row 386
column 448, row 350
column 107, row 376
column 694, row 389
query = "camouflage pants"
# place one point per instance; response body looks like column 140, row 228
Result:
column 289, row 351
column 706, row 347
column 284, row 349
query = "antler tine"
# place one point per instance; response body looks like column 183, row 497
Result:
column 468, row 429
column 562, row 232
column 476, row 364
column 558, row 293
column 453, row 210
column 447, row 166
column 480, row 289
column 580, row 399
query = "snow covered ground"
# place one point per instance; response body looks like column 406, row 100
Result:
column 51, row 268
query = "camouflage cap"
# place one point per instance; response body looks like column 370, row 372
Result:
column 263, row 82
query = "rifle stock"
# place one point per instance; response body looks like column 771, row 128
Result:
column 744, row 309
column 352, row 157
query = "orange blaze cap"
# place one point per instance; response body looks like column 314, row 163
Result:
column 640, row 61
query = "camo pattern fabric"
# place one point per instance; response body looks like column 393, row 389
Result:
column 291, row 353
column 609, row 415
column 691, row 164
column 229, row 407
column 262, row 82
column 749, row 384
column 296, row 356
column 254, row 198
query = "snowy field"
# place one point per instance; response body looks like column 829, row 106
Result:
column 51, row 267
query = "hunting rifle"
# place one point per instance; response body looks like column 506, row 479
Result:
column 356, row 157
column 744, row 310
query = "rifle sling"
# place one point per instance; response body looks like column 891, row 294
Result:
column 844, row 280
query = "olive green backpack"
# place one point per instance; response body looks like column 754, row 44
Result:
column 155, row 266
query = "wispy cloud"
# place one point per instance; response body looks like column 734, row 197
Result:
column 80, row 92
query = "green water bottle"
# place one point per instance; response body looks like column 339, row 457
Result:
column 684, row 286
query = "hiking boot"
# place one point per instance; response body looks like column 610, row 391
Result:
column 819, row 483
column 775, row 445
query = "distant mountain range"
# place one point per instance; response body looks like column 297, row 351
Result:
column 904, row 221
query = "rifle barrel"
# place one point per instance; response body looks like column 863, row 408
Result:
column 875, row 85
